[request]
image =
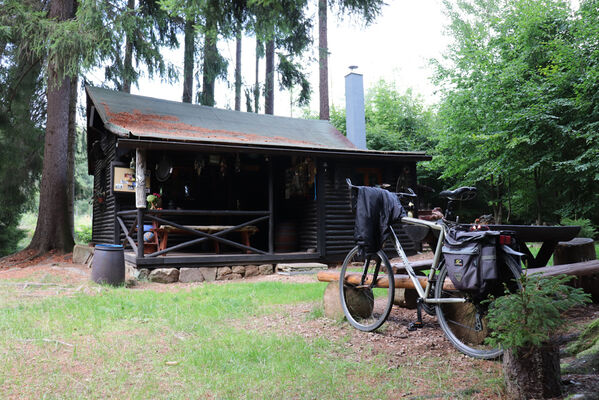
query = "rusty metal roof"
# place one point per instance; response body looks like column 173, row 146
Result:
column 128, row 115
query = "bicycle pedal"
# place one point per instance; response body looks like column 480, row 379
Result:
column 412, row 326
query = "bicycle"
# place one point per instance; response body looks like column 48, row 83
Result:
column 367, row 298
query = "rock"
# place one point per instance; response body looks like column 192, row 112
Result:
column 238, row 269
column 209, row 273
column 230, row 277
column 82, row 254
column 164, row 275
column 143, row 274
column 251, row 270
column 221, row 272
column 131, row 273
column 190, row 275
column 265, row 269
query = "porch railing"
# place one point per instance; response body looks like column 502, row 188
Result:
column 160, row 217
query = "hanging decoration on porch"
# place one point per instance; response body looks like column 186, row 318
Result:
column 164, row 169
column 299, row 179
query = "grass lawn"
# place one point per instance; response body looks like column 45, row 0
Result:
column 141, row 344
column 210, row 341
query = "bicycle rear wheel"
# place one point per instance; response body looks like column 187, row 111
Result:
column 366, row 304
column 465, row 324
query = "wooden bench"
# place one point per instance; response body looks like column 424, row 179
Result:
column 162, row 232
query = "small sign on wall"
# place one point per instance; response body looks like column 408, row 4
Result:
column 124, row 180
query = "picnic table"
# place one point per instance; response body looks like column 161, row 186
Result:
column 549, row 236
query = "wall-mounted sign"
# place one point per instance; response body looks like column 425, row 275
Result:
column 124, row 180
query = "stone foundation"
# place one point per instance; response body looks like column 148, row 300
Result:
column 201, row 274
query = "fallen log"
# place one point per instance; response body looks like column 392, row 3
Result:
column 401, row 281
column 585, row 268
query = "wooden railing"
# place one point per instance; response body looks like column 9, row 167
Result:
column 160, row 217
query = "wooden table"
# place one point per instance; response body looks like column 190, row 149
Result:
column 163, row 231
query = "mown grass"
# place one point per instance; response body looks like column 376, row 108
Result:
column 124, row 343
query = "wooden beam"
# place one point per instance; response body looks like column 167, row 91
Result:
column 140, row 178
column 140, row 197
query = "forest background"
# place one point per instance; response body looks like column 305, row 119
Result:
column 516, row 117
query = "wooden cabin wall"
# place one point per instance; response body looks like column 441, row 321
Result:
column 339, row 219
column 103, row 221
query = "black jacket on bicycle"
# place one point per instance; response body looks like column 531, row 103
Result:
column 376, row 209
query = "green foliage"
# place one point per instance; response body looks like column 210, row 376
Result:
column 518, row 110
column 530, row 317
column 587, row 230
column 83, row 234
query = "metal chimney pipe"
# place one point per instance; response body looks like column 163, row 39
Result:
column 354, row 108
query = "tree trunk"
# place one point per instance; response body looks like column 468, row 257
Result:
column 128, row 64
column 532, row 373
column 188, row 60
column 52, row 230
column 323, row 63
column 257, row 84
column 72, row 140
column 537, row 180
column 238, row 68
column 269, row 80
column 209, row 69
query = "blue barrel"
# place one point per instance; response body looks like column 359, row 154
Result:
column 108, row 265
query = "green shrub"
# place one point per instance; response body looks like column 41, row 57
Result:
column 83, row 234
column 587, row 230
column 530, row 317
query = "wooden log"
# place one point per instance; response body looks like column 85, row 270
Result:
column 401, row 281
column 587, row 275
column 573, row 251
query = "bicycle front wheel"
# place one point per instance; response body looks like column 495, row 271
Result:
column 366, row 304
column 465, row 324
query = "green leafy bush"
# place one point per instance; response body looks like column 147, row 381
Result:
column 530, row 317
column 587, row 230
column 83, row 234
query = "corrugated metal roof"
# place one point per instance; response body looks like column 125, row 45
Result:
column 149, row 118
column 124, row 114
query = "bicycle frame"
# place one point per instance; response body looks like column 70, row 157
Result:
column 424, row 293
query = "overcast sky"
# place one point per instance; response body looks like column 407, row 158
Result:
column 397, row 47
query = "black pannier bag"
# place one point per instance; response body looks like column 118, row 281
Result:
column 471, row 258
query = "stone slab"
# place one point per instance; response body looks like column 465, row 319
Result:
column 187, row 275
column 82, row 254
column 299, row 268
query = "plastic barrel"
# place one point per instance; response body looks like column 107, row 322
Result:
column 108, row 265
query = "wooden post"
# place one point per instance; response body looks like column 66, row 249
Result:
column 140, row 197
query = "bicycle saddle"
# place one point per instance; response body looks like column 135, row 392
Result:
column 459, row 194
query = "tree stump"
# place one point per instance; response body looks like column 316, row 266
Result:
column 406, row 298
column 579, row 250
column 357, row 300
column 532, row 373
column 573, row 251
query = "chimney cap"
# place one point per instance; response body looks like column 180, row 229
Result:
column 353, row 67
